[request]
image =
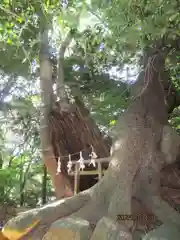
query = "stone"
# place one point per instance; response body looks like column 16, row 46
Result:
column 107, row 229
column 164, row 232
column 70, row 228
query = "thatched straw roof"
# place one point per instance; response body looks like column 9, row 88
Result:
column 73, row 132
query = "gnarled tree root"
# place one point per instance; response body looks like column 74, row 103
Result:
column 105, row 199
column 90, row 205
column 109, row 198
column 24, row 223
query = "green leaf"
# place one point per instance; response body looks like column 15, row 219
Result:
column 9, row 41
column 112, row 123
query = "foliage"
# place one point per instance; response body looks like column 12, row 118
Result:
column 136, row 23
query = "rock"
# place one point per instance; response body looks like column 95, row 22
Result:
column 107, row 229
column 69, row 228
column 164, row 232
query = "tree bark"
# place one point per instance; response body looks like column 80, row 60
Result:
column 44, row 185
column 60, row 78
column 60, row 86
column 47, row 100
column 1, row 166
column 144, row 144
column 23, row 179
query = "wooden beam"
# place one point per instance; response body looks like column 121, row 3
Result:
column 89, row 172
column 101, row 160
column 100, row 172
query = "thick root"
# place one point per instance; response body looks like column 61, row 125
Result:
column 91, row 212
column 19, row 226
column 105, row 199
column 90, row 205
column 46, row 223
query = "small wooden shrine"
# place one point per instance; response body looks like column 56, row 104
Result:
column 76, row 137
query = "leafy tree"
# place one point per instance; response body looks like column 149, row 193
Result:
column 141, row 32
column 20, row 68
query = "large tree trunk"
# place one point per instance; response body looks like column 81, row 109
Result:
column 59, row 182
column 144, row 144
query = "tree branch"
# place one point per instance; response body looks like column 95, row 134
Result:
column 60, row 78
column 163, row 47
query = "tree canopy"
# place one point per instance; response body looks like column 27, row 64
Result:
column 101, row 62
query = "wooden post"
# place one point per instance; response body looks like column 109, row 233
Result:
column 76, row 179
column 99, row 170
column 77, row 173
